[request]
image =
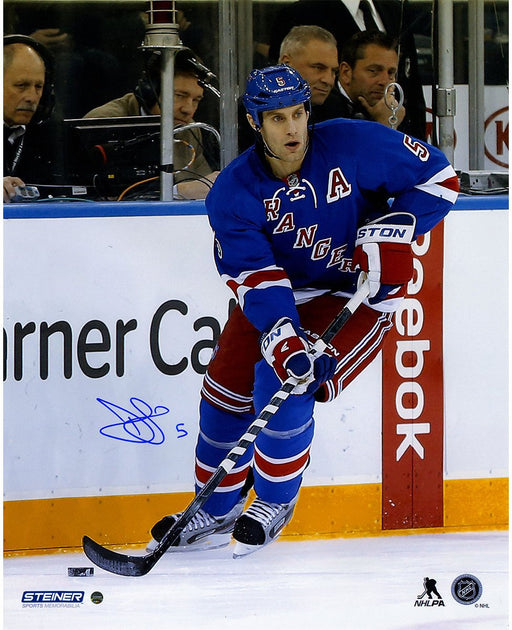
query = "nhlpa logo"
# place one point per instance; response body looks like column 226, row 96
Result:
column 429, row 588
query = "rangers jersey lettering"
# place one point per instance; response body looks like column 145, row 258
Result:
column 275, row 236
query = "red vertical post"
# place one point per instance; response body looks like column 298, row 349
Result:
column 412, row 397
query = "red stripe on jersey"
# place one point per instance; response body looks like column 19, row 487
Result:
column 452, row 183
column 283, row 468
column 258, row 277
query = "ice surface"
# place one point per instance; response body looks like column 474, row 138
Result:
column 341, row 584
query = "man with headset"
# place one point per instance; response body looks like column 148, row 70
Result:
column 196, row 167
column 29, row 136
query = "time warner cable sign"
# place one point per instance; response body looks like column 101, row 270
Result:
column 96, row 349
column 107, row 335
column 109, row 308
column 111, row 325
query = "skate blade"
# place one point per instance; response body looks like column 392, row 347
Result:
column 212, row 542
column 241, row 549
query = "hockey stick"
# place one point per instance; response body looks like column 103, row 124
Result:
column 135, row 566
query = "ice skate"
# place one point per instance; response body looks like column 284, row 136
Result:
column 204, row 531
column 260, row 525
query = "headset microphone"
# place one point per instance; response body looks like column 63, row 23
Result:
column 204, row 73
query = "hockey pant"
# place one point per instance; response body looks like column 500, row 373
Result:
column 239, row 383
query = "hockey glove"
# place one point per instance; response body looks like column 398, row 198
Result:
column 289, row 353
column 383, row 251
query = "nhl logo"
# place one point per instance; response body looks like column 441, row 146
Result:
column 466, row 589
column 293, row 180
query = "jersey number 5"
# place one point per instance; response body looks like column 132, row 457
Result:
column 417, row 148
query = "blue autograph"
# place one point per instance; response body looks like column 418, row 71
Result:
column 138, row 422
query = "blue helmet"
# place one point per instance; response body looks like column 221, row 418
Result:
column 273, row 88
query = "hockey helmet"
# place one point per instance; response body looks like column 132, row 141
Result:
column 275, row 87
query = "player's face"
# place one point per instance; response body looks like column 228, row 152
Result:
column 23, row 86
column 187, row 96
column 371, row 74
column 285, row 131
column 317, row 63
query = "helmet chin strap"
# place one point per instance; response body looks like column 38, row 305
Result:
column 268, row 151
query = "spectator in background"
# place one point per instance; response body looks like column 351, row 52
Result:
column 312, row 51
column 188, row 93
column 343, row 19
column 30, row 137
column 95, row 47
column 369, row 62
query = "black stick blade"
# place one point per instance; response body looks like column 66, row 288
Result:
column 131, row 566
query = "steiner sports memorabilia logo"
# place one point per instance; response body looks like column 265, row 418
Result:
column 466, row 589
column 52, row 599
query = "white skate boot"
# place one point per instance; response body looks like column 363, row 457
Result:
column 260, row 525
column 204, row 531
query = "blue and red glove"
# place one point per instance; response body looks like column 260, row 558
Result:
column 383, row 251
column 288, row 351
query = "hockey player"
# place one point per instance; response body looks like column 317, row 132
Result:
column 295, row 218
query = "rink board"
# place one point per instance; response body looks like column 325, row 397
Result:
column 109, row 321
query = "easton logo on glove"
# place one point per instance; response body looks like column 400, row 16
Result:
column 287, row 352
column 397, row 227
column 383, row 251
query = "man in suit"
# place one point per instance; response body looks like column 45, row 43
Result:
column 369, row 62
column 30, row 136
column 346, row 17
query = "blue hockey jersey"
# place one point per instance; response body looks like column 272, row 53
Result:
column 276, row 236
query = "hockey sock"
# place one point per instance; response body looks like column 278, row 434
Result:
column 219, row 431
column 280, row 459
column 282, row 448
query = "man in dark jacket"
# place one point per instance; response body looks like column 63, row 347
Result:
column 369, row 62
column 30, row 138
column 344, row 19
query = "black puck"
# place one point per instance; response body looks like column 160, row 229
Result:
column 80, row 571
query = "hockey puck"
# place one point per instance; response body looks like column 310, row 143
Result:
column 80, row 571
